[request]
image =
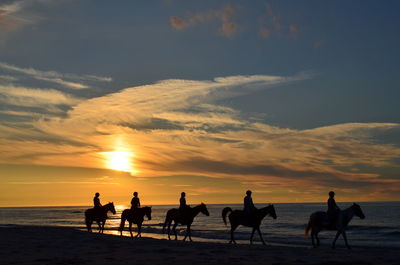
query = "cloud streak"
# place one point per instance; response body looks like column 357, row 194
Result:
column 71, row 81
column 28, row 97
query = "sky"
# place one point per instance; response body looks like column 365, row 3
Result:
column 290, row 99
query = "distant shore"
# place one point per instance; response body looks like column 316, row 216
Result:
column 63, row 245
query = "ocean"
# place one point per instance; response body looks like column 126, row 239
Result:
column 380, row 228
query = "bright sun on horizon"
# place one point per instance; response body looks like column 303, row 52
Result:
column 120, row 160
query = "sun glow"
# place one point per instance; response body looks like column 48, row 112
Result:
column 120, row 160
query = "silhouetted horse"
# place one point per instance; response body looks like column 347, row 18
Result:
column 99, row 215
column 319, row 221
column 184, row 218
column 238, row 217
column 134, row 216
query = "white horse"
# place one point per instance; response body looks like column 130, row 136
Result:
column 318, row 221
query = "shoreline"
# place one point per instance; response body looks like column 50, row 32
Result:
column 68, row 245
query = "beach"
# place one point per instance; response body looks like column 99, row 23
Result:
column 66, row 245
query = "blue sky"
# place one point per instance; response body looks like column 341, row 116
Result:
column 310, row 73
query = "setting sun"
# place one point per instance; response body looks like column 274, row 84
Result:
column 120, row 160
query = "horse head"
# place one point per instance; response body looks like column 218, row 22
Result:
column 148, row 212
column 272, row 211
column 357, row 210
column 203, row 209
column 111, row 207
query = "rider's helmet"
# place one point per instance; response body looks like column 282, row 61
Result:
column 135, row 194
column 248, row 193
column 331, row 194
column 183, row 194
column 97, row 194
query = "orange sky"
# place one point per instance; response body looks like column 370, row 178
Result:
column 162, row 148
column 199, row 96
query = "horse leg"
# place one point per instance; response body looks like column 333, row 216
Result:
column 188, row 233
column 316, row 237
column 139, row 228
column 252, row 234
column 259, row 232
column 336, row 237
column 130, row 228
column 233, row 227
column 312, row 238
column 174, row 230
column 102, row 226
column 89, row 225
column 98, row 223
column 169, row 230
column 345, row 239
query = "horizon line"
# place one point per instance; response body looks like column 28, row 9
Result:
column 80, row 205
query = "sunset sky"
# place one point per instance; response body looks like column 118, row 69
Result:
column 290, row 99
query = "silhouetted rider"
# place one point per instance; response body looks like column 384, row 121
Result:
column 333, row 209
column 135, row 202
column 182, row 203
column 96, row 201
column 248, row 203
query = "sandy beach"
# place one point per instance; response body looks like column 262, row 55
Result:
column 62, row 245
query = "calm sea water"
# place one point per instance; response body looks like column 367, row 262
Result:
column 381, row 227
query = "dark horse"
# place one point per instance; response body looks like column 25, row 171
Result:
column 185, row 218
column 238, row 217
column 319, row 221
column 99, row 215
column 134, row 216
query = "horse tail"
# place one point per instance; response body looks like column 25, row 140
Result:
column 123, row 219
column 308, row 227
column 225, row 211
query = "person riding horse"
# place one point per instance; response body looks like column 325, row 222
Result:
column 333, row 209
column 96, row 201
column 183, row 207
column 249, row 207
column 135, row 202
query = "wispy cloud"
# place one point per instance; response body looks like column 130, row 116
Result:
column 224, row 17
column 9, row 20
column 16, row 14
column 271, row 23
column 178, row 127
column 71, row 81
column 28, row 97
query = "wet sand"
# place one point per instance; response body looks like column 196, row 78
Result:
column 67, row 246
